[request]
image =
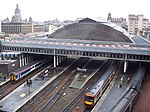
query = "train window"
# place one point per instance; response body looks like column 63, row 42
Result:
column 17, row 76
column 33, row 66
column 24, row 73
column 38, row 64
column 88, row 98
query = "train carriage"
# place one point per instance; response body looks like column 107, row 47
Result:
column 23, row 71
column 19, row 73
column 126, row 102
column 98, row 89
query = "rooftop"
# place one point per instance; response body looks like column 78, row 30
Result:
column 88, row 29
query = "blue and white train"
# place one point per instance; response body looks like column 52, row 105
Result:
column 21, row 72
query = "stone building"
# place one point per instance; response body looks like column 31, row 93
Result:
column 119, row 21
column 19, row 26
column 16, row 28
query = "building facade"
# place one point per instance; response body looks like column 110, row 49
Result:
column 119, row 21
column 19, row 26
column 16, row 28
column 38, row 27
column 136, row 24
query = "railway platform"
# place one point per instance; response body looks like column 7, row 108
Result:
column 82, row 78
column 113, row 93
column 23, row 93
column 78, row 80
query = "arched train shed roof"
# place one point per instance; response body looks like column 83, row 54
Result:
column 88, row 29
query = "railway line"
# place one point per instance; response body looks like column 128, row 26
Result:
column 66, row 82
column 53, row 90
column 72, row 93
column 142, row 103
column 58, row 95
column 9, row 104
column 112, row 95
column 9, row 86
column 69, row 101
column 80, row 105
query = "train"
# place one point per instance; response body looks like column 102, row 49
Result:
column 93, row 95
column 23, row 71
column 128, row 99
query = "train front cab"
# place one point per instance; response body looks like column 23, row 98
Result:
column 89, row 100
column 12, row 76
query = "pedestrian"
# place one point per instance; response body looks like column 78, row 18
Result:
column 4, row 78
column 128, row 79
column 42, row 77
column 121, row 80
column 120, row 84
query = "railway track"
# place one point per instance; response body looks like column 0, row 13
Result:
column 9, row 86
column 79, row 98
column 142, row 103
column 49, row 95
column 107, row 101
column 71, row 93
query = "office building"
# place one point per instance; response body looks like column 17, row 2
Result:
column 136, row 24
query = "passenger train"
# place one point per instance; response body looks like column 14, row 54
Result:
column 21, row 72
column 127, row 101
column 91, row 97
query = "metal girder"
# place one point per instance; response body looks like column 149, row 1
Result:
column 81, row 53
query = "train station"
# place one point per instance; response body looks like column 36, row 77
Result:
column 85, row 66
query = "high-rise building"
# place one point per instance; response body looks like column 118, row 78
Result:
column 119, row 21
column 136, row 23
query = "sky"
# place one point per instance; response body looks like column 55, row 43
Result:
column 44, row 10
